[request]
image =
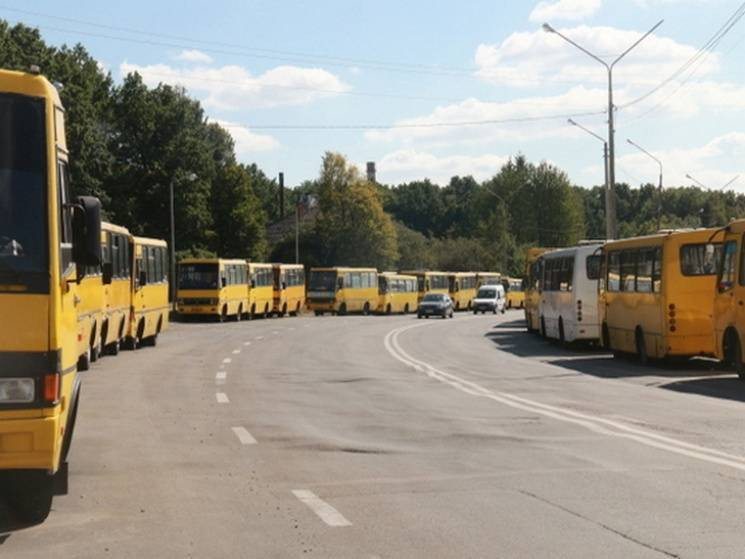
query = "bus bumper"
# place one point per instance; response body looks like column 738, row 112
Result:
column 198, row 310
column 29, row 443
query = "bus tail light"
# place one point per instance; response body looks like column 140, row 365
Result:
column 51, row 387
column 579, row 310
column 671, row 316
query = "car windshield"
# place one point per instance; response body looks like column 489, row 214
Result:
column 433, row 298
column 198, row 276
column 323, row 280
column 22, row 200
column 486, row 294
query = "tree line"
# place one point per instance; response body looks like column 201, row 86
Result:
column 130, row 144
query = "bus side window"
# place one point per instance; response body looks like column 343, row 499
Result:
column 657, row 270
column 65, row 216
column 727, row 279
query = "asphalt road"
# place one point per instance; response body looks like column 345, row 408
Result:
column 395, row 437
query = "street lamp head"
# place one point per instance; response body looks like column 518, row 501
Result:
column 571, row 121
column 548, row 29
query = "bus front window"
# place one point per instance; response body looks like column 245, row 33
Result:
column 323, row 280
column 198, row 276
column 22, row 181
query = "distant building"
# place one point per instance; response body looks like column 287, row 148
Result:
column 371, row 171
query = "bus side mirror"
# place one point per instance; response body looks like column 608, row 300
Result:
column 108, row 272
column 142, row 279
column 86, row 232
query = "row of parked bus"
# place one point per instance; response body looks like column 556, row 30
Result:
column 675, row 294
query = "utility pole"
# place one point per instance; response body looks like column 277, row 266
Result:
column 609, row 234
column 659, row 187
column 612, row 222
column 281, row 196
column 297, row 232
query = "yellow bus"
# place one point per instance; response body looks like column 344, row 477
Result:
column 116, row 266
column 90, row 317
column 515, row 293
column 260, row 289
column 343, row 290
column 488, row 278
column 657, row 295
column 462, row 288
column 729, row 310
column 215, row 287
column 289, row 288
column 532, row 297
column 430, row 282
column 47, row 240
column 397, row 293
column 149, row 311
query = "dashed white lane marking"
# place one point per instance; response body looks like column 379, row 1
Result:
column 220, row 377
column 222, row 398
column 246, row 343
column 594, row 423
column 291, row 328
column 227, row 360
column 244, row 436
column 236, row 351
column 325, row 512
column 275, row 332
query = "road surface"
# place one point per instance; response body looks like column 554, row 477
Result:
column 380, row 437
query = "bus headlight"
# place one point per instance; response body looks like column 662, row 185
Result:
column 17, row 390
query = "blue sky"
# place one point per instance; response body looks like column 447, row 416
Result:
column 258, row 65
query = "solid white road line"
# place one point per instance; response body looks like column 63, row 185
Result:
column 244, row 436
column 594, row 423
column 222, row 398
column 220, row 377
column 325, row 512
column 227, row 360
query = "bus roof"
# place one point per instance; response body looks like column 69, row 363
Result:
column 150, row 242
column 342, row 269
column 24, row 83
column 287, row 266
column 258, row 264
column 106, row 226
column 584, row 248
column 676, row 235
column 396, row 275
column 212, row 260
column 423, row 273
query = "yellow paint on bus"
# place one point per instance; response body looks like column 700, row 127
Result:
column 397, row 293
column 729, row 298
column 515, row 293
column 462, row 289
column 289, row 288
column 150, row 309
column 429, row 282
column 532, row 297
column 116, row 257
column 343, row 290
column 260, row 289
column 215, row 287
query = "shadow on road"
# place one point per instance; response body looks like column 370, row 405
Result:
column 694, row 376
column 8, row 523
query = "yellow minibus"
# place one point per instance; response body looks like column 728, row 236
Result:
column 397, row 293
column 462, row 288
column 116, row 266
column 47, row 241
column 343, row 290
column 213, row 287
column 260, row 289
column 729, row 298
column 430, row 282
column 149, row 311
column 289, row 288
column 488, row 278
column 90, row 317
column 515, row 293
column 532, row 297
column 657, row 294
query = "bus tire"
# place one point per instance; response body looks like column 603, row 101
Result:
column 84, row 361
column 29, row 494
column 475, row 311
column 342, row 309
column 406, row 308
column 605, row 336
column 543, row 327
column 509, row 304
column 113, row 348
column 239, row 314
column 641, row 346
column 284, row 310
column 71, row 422
column 319, row 313
column 366, row 309
column 252, row 313
column 388, row 309
column 733, row 352
column 562, row 339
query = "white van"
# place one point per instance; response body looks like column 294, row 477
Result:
column 568, row 305
column 489, row 298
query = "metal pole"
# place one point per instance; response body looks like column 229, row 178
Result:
column 172, row 282
column 608, row 195
column 659, row 202
column 611, row 217
column 297, row 233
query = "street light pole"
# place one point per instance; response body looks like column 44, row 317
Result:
column 659, row 188
column 612, row 224
column 702, row 185
column 608, row 230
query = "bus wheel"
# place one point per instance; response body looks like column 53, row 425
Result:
column 95, row 352
column 366, row 309
column 406, row 308
column 113, row 348
column 562, row 339
column 509, row 304
column 239, row 314
column 29, row 494
column 297, row 309
column 641, row 347
column 84, row 361
column 388, row 309
column 605, row 336
column 342, row 309
column 543, row 327
column 733, row 353
column 284, row 310
column 319, row 313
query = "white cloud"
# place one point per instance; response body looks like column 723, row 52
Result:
column 569, row 10
column 538, row 58
column 248, row 143
column 408, row 164
column 233, row 87
column 194, row 55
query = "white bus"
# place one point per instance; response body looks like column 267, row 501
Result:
column 569, row 293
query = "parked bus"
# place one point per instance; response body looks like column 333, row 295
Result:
column 117, row 285
column 487, row 278
column 90, row 317
column 462, row 289
column 342, row 290
column 214, row 287
column 729, row 310
column 569, row 293
column 397, row 293
column 657, row 296
column 149, row 313
column 430, row 282
column 533, row 274
column 289, row 288
column 515, row 293
column 260, row 289
column 47, row 241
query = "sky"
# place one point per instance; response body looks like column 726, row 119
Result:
column 432, row 89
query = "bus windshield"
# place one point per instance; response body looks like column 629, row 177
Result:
column 323, row 280
column 198, row 276
column 22, row 179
